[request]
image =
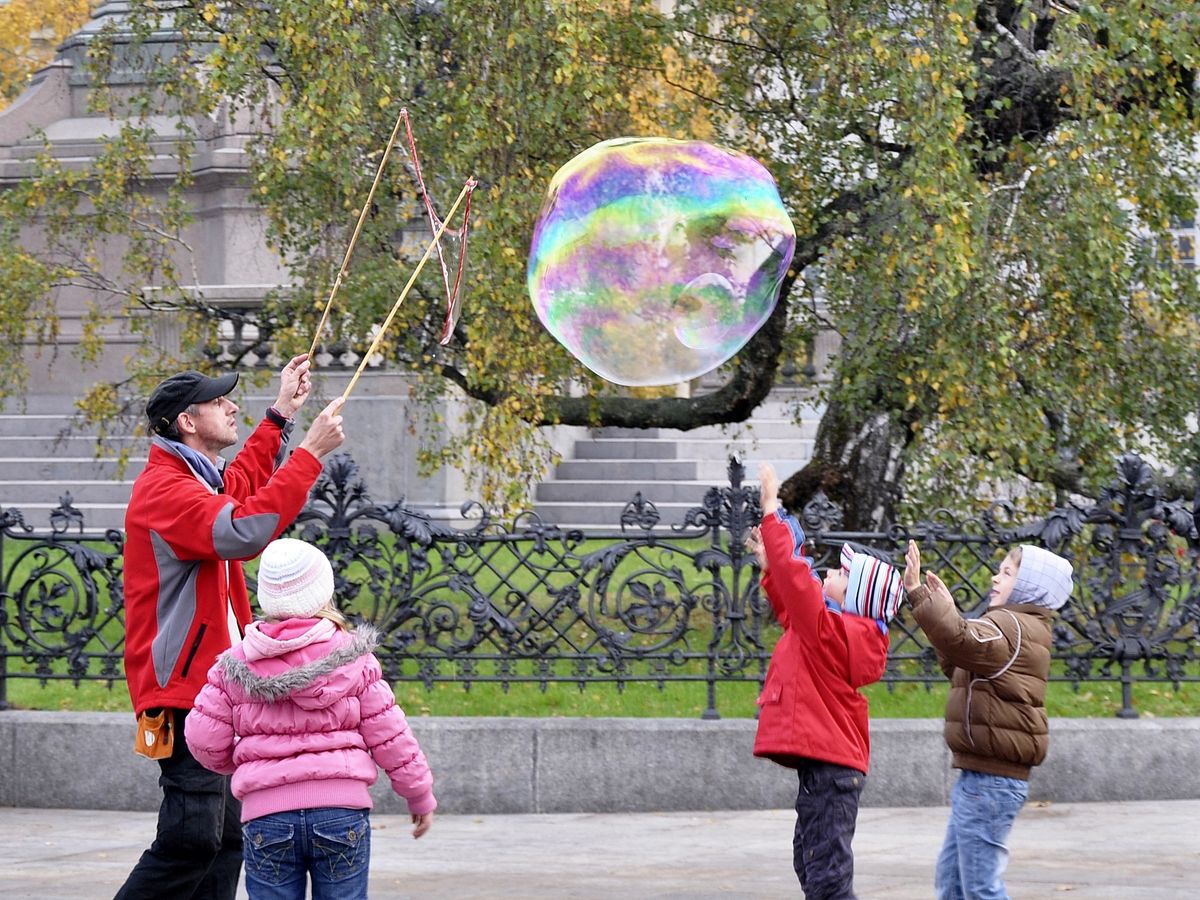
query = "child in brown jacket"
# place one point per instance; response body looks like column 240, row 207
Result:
column 996, row 725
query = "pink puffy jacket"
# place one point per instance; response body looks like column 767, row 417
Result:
column 299, row 714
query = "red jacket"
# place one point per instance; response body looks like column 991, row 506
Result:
column 810, row 706
column 183, row 546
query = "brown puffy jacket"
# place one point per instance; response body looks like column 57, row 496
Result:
column 998, row 665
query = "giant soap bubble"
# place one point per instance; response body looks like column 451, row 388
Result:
column 655, row 260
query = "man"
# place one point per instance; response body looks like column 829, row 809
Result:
column 191, row 522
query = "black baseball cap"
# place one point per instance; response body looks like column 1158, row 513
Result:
column 180, row 391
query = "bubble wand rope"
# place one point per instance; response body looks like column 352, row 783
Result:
column 362, row 218
column 465, row 192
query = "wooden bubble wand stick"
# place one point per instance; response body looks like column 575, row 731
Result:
column 467, row 188
column 362, row 218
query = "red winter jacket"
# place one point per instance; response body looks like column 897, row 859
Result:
column 183, row 546
column 810, row 706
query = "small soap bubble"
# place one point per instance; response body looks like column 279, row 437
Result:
column 655, row 260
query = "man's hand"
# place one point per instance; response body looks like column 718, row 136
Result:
column 294, row 385
column 421, row 823
column 325, row 434
column 912, row 567
column 768, row 487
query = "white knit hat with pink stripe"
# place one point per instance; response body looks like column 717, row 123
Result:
column 295, row 579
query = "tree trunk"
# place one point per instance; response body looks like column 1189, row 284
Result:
column 858, row 461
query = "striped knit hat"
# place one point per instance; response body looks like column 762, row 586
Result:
column 847, row 557
column 294, row 580
column 875, row 589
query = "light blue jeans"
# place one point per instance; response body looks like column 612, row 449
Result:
column 283, row 849
column 974, row 855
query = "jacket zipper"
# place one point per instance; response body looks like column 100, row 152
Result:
column 187, row 663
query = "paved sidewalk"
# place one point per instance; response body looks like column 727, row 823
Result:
column 1131, row 851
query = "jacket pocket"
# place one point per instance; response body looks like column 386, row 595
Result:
column 269, row 849
column 850, row 783
column 187, row 663
column 770, row 694
column 342, row 846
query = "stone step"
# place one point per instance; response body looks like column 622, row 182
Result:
column 97, row 517
column 620, row 492
column 605, row 516
column 76, row 445
column 716, row 471
column 39, row 404
column 798, row 448
column 683, row 449
column 760, row 429
column 35, row 424
column 673, row 468
column 45, row 454
column 626, row 470
column 52, row 425
column 624, row 448
column 24, row 494
column 69, row 469
column 686, row 450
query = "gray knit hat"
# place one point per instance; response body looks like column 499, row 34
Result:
column 1043, row 579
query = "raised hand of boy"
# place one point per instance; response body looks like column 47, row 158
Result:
column 754, row 544
column 768, row 488
column 938, row 589
column 912, row 567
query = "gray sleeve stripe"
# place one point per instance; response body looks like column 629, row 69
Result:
column 284, row 438
column 175, row 610
column 244, row 537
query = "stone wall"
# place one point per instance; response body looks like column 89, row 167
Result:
column 509, row 765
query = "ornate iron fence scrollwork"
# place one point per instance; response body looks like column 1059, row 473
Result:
column 527, row 602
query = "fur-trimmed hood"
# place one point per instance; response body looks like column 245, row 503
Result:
column 315, row 675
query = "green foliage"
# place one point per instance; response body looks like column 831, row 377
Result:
column 29, row 32
column 505, row 91
column 982, row 193
column 1001, row 285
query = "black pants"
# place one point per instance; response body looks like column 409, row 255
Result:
column 826, row 814
column 198, row 851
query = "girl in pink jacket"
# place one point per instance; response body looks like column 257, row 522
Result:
column 300, row 715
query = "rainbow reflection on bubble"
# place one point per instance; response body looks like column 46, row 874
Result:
column 654, row 260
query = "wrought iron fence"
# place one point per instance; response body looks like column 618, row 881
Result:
column 525, row 601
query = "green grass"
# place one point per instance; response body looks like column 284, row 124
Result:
column 687, row 700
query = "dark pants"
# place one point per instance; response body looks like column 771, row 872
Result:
column 198, row 851
column 826, row 813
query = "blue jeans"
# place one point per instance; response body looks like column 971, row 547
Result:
column 331, row 844
column 974, row 855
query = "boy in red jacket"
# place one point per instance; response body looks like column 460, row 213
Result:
column 812, row 717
